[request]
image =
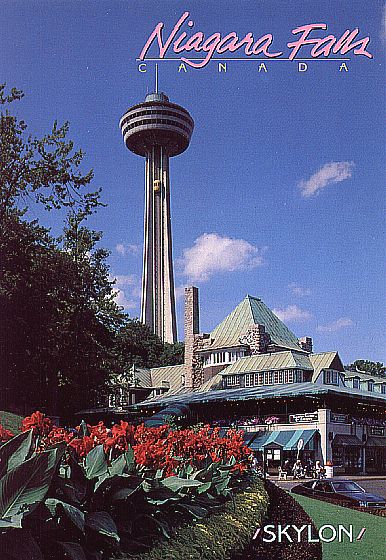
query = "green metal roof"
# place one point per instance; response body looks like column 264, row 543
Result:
column 269, row 362
column 264, row 392
column 142, row 377
column 325, row 360
column 170, row 374
column 252, row 311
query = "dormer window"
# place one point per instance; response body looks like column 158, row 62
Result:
column 331, row 377
column 370, row 386
column 356, row 383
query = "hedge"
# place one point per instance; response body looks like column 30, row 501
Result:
column 219, row 536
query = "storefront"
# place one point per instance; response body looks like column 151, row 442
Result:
column 375, row 450
column 278, row 446
column 347, row 453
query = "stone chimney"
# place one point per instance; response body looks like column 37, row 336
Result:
column 257, row 339
column 306, row 343
column 191, row 328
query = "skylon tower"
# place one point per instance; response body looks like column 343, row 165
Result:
column 157, row 130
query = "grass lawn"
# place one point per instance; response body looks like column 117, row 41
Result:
column 10, row 421
column 372, row 546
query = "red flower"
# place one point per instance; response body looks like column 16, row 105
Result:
column 5, row 434
column 40, row 424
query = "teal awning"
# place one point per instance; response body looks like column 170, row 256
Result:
column 161, row 418
column 347, row 440
column 288, row 440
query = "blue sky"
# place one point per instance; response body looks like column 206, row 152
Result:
column 280, row 192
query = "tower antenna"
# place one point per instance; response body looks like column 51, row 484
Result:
column 156, row 77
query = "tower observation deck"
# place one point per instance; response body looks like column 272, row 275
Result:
column 157, row 130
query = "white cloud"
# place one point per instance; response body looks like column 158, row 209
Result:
column 127, row 290
column 179, row 292
column 128, row 249
column 126, row 280
column 212, row 253
column 299, row 290
column 333, row 172
column 292, row 313
column 122, row 300
column 337, row 325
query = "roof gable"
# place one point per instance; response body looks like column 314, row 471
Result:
column 325, row 360
column 173, row 375
column 252, row 311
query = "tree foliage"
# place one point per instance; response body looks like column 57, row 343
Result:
column 46, row 170
column 62, row 333
column 373, row 368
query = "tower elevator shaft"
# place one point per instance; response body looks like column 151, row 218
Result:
column 158, row 301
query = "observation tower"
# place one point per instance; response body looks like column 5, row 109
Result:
column 157, row 130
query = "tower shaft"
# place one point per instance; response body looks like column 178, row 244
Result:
column 158, row 303
column 157, row 130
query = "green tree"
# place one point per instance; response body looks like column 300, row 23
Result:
column 60, row 318
column 136, row 344
column 62, row 333
column 374, row 368
column 45, row 170
column 173, row 354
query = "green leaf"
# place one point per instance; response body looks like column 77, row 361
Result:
column 204, row 475
column 204, row 487
column 57, row 507
column 196, row 511
column 159, row 473
column 73, row 551
column 103, row 523
column 222, row 485
column 25, row 486
column 175, row 483
column 130, row 459
column 124, row 493
column 20, row 545
column 16, row 451
column 96, row 462
column 118, row 466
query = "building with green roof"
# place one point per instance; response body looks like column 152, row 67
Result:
column 253, row 372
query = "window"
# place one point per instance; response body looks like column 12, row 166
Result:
column 273, row 454
column 249, row 380
column 383, row 389
column 370, row 386
column 331, row 377
column 233, row 380
column 355, row 384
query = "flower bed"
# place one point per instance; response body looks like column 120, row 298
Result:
column 94, row 492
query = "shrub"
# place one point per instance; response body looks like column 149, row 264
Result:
column 219, row 536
